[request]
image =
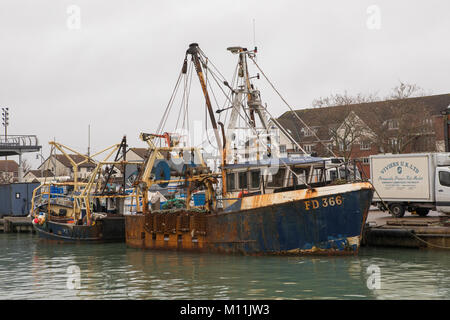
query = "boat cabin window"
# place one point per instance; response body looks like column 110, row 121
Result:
column 333, row 174
column 231, row 184
column 277, row 179
column 255, row 179
column 243, row 183
column 301, row 176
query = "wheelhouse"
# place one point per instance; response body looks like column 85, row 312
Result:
column 283, row 174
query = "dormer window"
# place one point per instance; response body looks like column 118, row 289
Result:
column 392, row 124
column 308, row 132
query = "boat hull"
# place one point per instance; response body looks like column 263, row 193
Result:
column 110, row 229
column 327, row 220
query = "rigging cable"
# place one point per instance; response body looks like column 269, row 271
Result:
column 290, row 108
column 255, row 131
column 169, row 106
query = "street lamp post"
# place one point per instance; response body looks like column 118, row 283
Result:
column 5, row 118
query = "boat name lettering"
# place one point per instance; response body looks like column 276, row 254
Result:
column 323, row 202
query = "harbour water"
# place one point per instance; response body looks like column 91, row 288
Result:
column 33, row 269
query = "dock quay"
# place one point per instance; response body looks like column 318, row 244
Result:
column 410, row 231
column 16, row 224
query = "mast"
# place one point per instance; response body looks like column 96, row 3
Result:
column 193, row 51
column 254, row 103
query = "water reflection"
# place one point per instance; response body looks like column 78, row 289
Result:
column 33, row 269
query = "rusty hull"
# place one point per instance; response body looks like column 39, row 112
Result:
column 319, row 221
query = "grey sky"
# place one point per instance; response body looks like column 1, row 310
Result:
column 117, row 71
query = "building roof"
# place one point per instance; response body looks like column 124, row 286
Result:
column 322, row 119
column 141, row 152
column 41, row 173
column 8, row 166
column 76, row 158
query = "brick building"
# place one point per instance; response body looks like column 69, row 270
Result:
column 9, row 171
column 357, row 131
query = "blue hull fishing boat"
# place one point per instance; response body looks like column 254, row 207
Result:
column 257, row 202
column 82, row 211
column 325, row 220
column 108, row 229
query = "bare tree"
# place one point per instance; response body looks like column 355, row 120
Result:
column 405, row 90
column 6, row 177
column 344, row 99
column 401, row 121
column 345, row 128
column 393, row 125
column 26, row 166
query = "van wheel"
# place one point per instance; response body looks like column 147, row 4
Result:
column 422, row 211
column 397, row 210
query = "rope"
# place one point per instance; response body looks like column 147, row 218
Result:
column 169, row 106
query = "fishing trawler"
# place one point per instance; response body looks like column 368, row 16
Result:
column 264, row 204
column 82, row 211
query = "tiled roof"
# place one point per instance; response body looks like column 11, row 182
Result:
column 323, row 118
column 40, row 174
column 76, row 158
column 8, row 166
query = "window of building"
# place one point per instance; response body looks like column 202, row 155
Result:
column 365, row 160
column 392, row 124
column 307, row 132
column 365, row 145
column 393, row 142
column 308, row 147
column 345, row 146
column 282, row 148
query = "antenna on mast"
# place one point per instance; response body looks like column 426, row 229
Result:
column 254, row 33
column 254, row 36
column 89, row 141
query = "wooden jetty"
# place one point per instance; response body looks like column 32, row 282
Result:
column 16, row 224
column 411, row 231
